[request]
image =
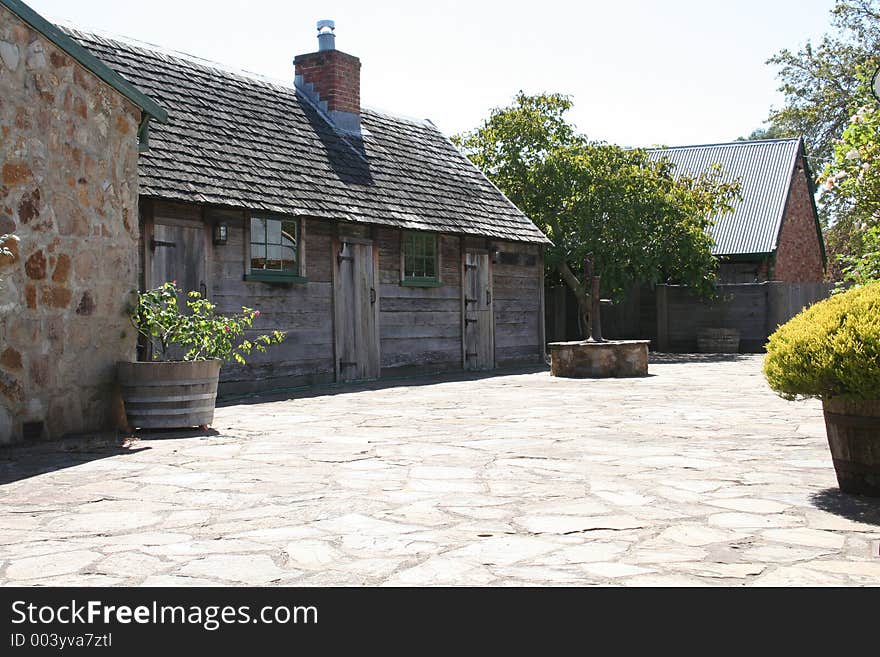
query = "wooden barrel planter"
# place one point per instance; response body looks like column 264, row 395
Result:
column 853, row 429
column 718, row 341
column 169, row 395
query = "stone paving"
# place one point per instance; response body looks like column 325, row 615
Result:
column 696, row 475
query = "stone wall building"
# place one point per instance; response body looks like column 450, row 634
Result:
column 69, row 143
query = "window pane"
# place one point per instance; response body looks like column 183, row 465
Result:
column 258, row 230
column 258, row 243
column 274, row 245
column 420, row 256
column 273, row 231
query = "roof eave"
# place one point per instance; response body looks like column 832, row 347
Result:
column 88, row 60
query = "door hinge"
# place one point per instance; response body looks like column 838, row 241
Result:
column 472, row 354
column 468, row 320
column 469, row 300
column 488, row 297
column 372, row 295
column 154, row 244
column 347, row 363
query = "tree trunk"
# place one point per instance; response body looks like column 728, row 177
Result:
column 581, row 294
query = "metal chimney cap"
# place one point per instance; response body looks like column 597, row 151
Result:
column 326, row 24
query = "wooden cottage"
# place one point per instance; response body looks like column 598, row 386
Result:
column 368, row 238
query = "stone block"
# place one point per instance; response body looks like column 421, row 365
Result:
column 53, row 330
column 16, row 174
column 6, row 426
column 55, row 296
column 10, row 359
column 40, row 373
column 35, row 266
column 613, row 358
column 22, row 332
column 9, row 55
column 29, row 206
column 86, row 304
column 62, row 269
column 85, row 266
column 11, row 388
column 12, row 247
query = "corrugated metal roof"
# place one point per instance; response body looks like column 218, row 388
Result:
column 765, row 168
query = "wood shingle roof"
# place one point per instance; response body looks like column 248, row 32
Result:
column 240, row 141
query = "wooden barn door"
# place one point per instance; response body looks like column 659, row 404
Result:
column 479, row 326
column 356, row 310
column 178, row 253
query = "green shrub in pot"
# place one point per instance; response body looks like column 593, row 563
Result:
column 831, row 351
column 178, row 387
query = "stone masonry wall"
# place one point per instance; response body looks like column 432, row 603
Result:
column 799, row 254
column 68, row 189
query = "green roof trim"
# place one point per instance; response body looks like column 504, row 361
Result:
column 87, row 59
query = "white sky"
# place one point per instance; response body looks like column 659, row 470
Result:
column 641, row 72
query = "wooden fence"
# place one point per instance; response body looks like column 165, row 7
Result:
column 671, row 315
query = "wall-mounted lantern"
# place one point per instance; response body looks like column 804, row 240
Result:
column 493, row 253
column 221, row 233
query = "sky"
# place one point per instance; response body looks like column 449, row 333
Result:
column 639, row 72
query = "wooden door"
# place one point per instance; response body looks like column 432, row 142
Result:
column 178, row 253
column 479, row 324
column 356, row 311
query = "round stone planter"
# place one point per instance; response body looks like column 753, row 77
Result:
column 599, row 360
column 853, row 429
column 172, row 395
column 718, row 341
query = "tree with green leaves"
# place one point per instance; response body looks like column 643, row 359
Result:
column 642, row 221
column 851, row 187
column 823, row 83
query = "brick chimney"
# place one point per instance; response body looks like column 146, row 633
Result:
column 331, row 79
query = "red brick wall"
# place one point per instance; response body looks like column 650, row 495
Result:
column 336, row 76
column 799, row 254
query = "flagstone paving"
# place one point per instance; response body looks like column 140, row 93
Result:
column 696, row 475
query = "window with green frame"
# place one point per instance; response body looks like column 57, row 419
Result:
column 275, row 249
column 421, row 259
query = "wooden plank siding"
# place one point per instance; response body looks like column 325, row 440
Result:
column 303, row 310
column 420, row 328
column 518, row 304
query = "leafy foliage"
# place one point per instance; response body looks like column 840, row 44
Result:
column 205, row 334
column 851, row 184
column 831, row 349
column 823, row 82
column 772, row 131
column 863, row 269
column 639, row 219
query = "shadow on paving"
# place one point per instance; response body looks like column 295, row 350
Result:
column 666, row 358
column 322, row 390
column 32, row 459
column 851, row 507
